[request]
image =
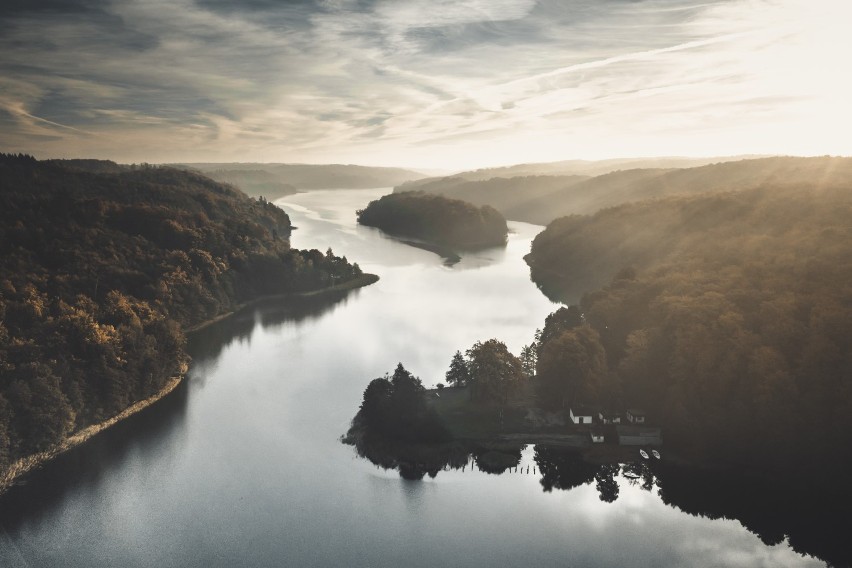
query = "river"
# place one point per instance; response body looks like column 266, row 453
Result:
column 242, row 465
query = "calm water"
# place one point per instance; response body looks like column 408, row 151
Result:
column 242, row 465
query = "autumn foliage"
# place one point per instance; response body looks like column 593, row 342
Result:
column 102, row 266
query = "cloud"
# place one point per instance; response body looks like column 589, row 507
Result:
column 415, row 83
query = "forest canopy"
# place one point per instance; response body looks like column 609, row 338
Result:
column 728, row 317
column 102, row 268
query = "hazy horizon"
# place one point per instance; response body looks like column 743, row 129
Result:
column 437, row 86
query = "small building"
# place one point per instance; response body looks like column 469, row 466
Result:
column 597, row 435
column 635, row 415
column 630, row 435
column 609, row 417
column 580, row 415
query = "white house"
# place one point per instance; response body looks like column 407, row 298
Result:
column 635, row 416
column 608, row 417
column 597, row 435
column 580, row 415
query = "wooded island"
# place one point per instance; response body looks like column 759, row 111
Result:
column 448, row 223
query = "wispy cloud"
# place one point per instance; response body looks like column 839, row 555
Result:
column 434, row 84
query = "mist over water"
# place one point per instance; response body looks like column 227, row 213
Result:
column 243, row 465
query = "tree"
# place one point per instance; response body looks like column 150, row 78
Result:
column 561, row 320
column 406, row 387
column 494, row 372
column 529, row 358
column 605, row 482
column 395, row 409
column 376, row 405
column 571, row 368
column 458, row 374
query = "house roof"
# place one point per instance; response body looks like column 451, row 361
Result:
column 580, row 410
column 636, row 411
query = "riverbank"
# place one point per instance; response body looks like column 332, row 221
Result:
column 358, row 282
column 21, row 467
column 34, row 461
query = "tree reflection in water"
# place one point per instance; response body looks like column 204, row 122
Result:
column 814, row 520
column 156, row 431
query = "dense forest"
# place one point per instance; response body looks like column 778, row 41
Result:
column 543, row 198
column 729, row 319
column 435, row 219
column 103, row 267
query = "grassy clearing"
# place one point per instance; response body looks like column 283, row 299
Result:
column 496, row 423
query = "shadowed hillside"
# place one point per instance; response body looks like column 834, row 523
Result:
column 728, row 317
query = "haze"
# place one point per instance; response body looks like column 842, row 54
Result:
column 448, row 84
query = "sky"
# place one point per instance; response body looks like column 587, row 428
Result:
column 445, row 84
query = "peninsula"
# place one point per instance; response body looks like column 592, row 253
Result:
column 104, row 267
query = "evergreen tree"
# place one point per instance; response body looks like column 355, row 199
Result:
column 529, row 359
column 458, row 373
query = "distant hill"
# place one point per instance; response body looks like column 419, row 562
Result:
column 254, row 177
column 510, row 196
column 256, row 183
column 587, row 168
column 541, row 199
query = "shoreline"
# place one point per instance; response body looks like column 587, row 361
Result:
column 24, row 465
column 34, row 461
column 361, row 281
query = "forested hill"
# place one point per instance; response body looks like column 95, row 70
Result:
column 541, row 199
column 729, row 318
column 449, row 223
column 101, row 266
column 584, row 168
column 275, row 179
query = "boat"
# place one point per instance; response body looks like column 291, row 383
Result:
column 655, row 453
column 643, row 453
